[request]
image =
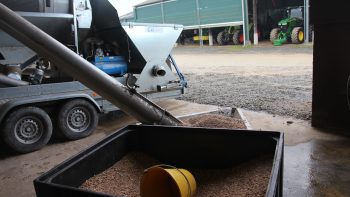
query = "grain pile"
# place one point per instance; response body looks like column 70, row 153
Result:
column 123, row 178
column 247, row 179
column 215, row 121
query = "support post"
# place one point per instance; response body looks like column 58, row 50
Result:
column 162, row 10
column 199, row 24
column 245, row 22
column 210, row 38
column 255, row 21
column 306, row 20
column 200, row 36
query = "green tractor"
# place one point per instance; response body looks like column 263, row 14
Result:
column 289, row 29
column 234, row 34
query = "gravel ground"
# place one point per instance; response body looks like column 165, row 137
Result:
column 277, row 80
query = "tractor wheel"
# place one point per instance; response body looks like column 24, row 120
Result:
column 77, row 119
column 297, row 35
column 27, row 129
column 274, row 34
column 237, row 38
column 223, row 38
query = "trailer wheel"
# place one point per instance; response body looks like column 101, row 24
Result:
column 27, row 129
column 237, row 37
column 274, row 34
column 223, row 38
column 297, row 35
column 77, row 119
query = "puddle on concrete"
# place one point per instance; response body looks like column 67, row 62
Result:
column 317, row 168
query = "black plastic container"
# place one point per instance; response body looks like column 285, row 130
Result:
column 180, row 146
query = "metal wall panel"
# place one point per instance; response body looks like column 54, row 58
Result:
column 331, row 66
column 220, row 11
column 331, row 72
column 184, row 12
column 149, row 14
column 180, row 12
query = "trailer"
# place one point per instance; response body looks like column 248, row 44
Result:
column 39, row 93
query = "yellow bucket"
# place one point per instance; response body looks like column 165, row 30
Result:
column 167, row 181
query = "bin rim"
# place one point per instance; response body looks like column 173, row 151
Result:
column 276, row 175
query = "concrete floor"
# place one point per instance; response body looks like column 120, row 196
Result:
column 317, row 163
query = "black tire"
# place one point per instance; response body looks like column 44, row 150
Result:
column 236, row 38
column 77, row 119
column 223, row 38
column 274, row 34
column 27, row 129
column 297, row 35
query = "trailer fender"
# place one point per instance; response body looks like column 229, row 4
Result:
column 5, row 108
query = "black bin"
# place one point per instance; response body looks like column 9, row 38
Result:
column 179, row 146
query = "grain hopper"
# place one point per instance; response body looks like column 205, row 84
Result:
column 66, row 53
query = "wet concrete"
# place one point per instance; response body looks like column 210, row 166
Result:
column 316, row 162
column 317, row 168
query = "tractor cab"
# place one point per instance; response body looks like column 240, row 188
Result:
column 296, row 12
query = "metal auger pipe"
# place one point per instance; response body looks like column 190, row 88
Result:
column 128, row 101
column 7, row 81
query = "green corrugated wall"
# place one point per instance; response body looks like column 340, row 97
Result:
column 185, row 12
column 149, row 14
column 180, row 12
column 220, row 11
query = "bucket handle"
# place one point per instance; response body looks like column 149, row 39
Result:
column 173, row 167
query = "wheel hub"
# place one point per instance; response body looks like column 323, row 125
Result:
column 301, row 36
column 28, row 130
column 78, row 119
column 241, row 39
